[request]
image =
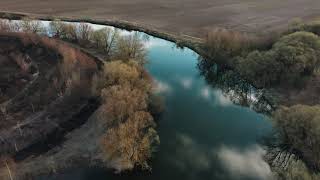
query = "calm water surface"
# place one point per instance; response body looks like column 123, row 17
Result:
column 203, row 134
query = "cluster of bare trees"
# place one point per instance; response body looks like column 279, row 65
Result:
column 125, row 93
column 106, row 40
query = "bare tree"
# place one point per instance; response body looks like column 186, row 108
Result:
column 105, row 39
column 32, row 26
column 57, row 29
column 84, row 32
column 131, row 47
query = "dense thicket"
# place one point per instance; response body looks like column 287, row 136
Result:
column 291, row 60
column 299, row 128
column 297, row 170
column 298, row 25
column 223, row 46
column 281, row 62
column 126, row 90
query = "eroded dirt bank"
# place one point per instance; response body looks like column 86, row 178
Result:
column 45, row 94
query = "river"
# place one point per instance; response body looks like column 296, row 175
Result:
column 203, row 133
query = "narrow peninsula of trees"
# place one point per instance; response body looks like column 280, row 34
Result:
column 125, row 92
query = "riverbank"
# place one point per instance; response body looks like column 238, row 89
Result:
column 279, row 96
column 68, row 84
column 181, row 40
column 188, row 17
column 72, row 152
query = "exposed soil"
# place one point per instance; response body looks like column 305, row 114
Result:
column 37, row 108
column 190, row 17
column 12, row 78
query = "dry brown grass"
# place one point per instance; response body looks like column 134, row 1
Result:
column 75, row 68
column 230, row 42
column 224, row 45
column 8, row 169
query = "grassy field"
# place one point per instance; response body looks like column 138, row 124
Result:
column 190, row 17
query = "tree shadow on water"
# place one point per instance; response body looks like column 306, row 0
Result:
column 234, row 87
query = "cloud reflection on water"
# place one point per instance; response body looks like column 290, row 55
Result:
column 205, row 93
column 186, row 82
column 194, row 159
column 161, row 87
column 245, row 163
column 221, row 99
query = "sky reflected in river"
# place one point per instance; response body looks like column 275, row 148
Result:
column 203, row 134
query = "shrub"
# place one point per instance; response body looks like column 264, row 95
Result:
column 291, row 60
column 295, row 25
column 299, row 128
column 298, row 55
column 117, row 72
column 260, row 67
column 222, row 45
column 298, row 25
column 122, row 101
column 131, row 143
column 313, row 27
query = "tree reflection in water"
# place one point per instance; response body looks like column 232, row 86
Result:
column 237, row 89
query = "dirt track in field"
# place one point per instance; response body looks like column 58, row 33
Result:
column 190, row 17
